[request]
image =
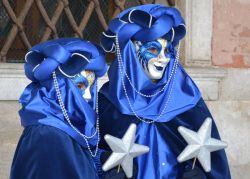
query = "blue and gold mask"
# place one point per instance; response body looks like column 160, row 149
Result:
column 154, row 57
column 84, row 82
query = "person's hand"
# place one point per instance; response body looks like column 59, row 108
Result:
column 195, row 173
column 117, row 172
column 114, row 173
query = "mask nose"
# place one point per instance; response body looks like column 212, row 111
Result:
column 87, row 94
column 160, row 57
column 163, row 59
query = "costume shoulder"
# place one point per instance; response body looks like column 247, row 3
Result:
column 47, row 152
column 193, row 119
column 167, row 135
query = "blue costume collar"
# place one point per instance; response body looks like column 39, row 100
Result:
column 40, row 106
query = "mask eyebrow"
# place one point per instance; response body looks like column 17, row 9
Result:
column 153, row 44
column 144, row 48
column 80, row 79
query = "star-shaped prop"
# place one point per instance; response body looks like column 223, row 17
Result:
column 200, row 144
column 124, row 150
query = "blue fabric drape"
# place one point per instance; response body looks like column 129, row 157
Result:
column 183, row 89
column 40, row 106
column 48, row 152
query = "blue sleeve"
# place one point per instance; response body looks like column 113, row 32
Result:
column 47, row 152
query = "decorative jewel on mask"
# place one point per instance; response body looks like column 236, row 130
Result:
column 154, row 57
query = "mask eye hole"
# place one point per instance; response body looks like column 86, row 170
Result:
column 166, row 51
column 81, row 85
column 153, row 50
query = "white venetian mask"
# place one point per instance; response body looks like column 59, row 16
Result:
column 84, row 82
column 153, row 57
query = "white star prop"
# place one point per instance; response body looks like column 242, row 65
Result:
column 200, row 144
column 124, row 150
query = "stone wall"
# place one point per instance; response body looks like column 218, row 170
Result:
column 231, row 50
column 231, row 33
column 232, row 115
column 10, row 131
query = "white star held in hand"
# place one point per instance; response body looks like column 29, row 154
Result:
column 124, row 150
column 200, row 144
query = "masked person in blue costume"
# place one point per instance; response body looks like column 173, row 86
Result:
column 61, row 130
column 149, row 87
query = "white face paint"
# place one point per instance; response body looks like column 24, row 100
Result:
column 153, row 57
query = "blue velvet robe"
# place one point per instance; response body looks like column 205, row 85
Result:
column 164, row 141
column 45, row 152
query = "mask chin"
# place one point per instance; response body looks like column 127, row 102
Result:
column 155, row 70
column 87, row 94
column 154, row 75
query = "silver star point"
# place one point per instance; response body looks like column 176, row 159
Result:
column 124, row 150
column 200, row 144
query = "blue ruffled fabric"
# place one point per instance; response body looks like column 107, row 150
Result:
column 44, row 58
column 144, row 23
